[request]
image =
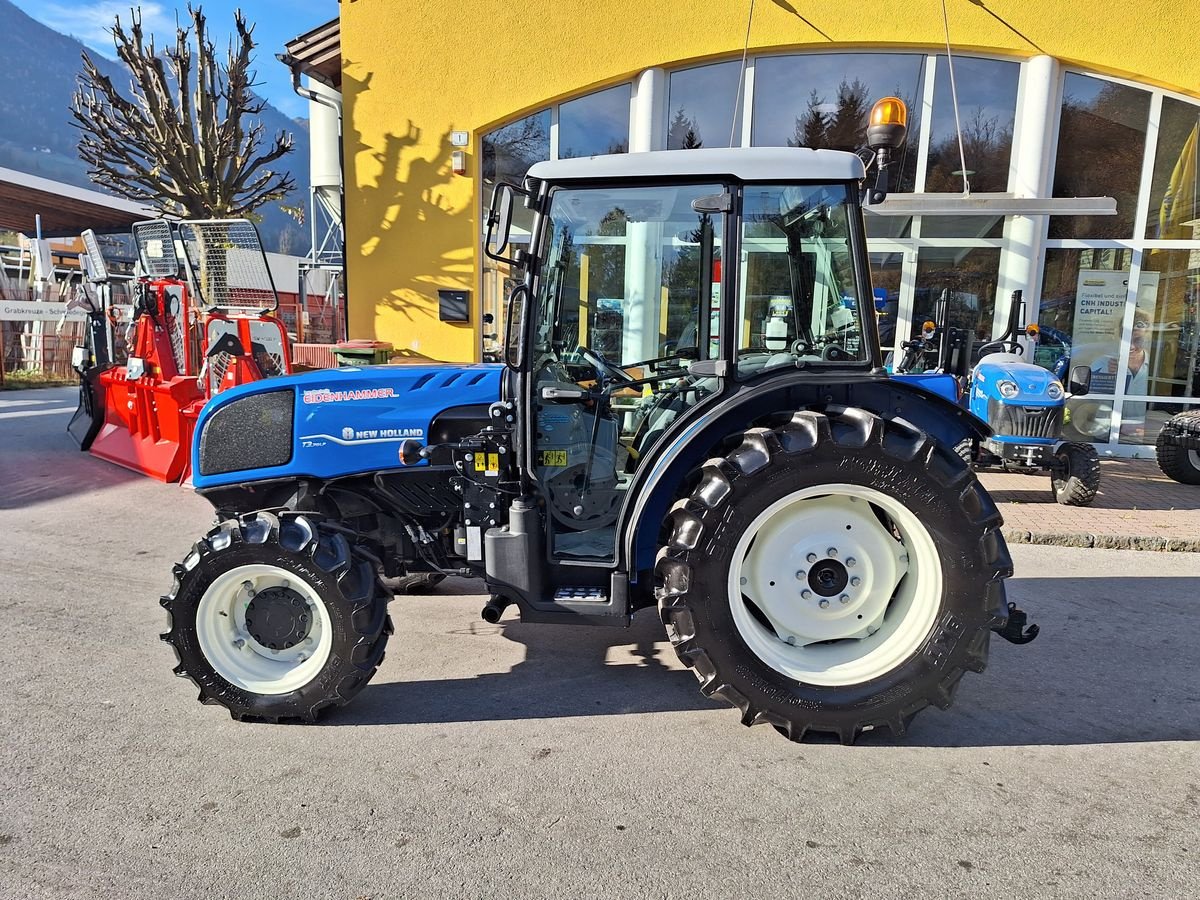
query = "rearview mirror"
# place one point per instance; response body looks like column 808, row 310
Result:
column 1080, row 381
column 499, row 225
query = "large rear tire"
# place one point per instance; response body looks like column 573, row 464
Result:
column 277, row 617
column 1178, row 448
column 838, row 573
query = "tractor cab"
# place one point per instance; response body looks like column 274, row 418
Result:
column 659, row 282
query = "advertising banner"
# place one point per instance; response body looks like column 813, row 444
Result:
column 1096, row 335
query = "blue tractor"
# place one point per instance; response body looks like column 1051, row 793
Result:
column 819, row 555
column 1023, row 403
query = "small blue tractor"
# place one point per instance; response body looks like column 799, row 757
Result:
column 1023, row 403
column 820, row 556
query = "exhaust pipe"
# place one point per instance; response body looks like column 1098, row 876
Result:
column 495, row 609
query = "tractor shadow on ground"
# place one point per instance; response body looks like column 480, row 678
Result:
column 1114, row 663
column 565, row 672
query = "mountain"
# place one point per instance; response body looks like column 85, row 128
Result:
column 38, row 67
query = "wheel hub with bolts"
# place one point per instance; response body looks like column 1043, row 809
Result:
column 278, row 618
column 263, row 629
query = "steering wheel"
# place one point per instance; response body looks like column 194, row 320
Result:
column 1009, row 346
column 602, row 365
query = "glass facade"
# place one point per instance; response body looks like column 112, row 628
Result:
column 704, row 107
column 1119, row 293
column 595, row 125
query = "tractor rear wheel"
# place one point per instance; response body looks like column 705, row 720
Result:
column 1178, row 448
column 277, row 617
column 838, row 573
column 1076, row 476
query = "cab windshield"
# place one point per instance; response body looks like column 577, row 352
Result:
column 798, row 297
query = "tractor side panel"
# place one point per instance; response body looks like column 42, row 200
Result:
column 330, row 423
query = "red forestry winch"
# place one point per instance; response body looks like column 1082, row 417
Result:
column 193, row 336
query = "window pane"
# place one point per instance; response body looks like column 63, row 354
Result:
column 1101, row 142
column 969, row 279
column 1083, row 306
column 701, row 107
column 823, row 100
column 888, row 226
column 1141, row 422
column 799, row 298
column 987, row 104
column 508, row 152
column 595, row 124
column 1175, row 191
column 886, row 270
column 962, row 226
column 1167, row 325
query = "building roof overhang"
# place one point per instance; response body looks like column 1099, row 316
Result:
column 317, row 54
column 65, row 209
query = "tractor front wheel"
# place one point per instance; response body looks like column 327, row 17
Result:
column 838, row 573
column 277, row 617
column 1075, row 478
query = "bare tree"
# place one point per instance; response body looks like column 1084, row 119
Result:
column 188, row 142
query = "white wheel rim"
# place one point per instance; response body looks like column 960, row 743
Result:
column 1194, row 459
column 236, row 655
column 866, row 628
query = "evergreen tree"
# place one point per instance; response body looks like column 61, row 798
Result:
column 812, row 129
column 848, row 129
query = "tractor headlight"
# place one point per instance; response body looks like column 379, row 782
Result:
column 1054, row 391
column 1007, row 389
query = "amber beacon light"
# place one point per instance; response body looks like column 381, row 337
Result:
column 888, row 124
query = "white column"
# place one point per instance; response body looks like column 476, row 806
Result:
column 1031, row 168
column 648, row 112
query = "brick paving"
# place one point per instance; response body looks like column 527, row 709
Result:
column 1137, row 508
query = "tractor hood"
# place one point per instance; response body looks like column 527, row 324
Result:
column 331, row 422
column 1035, row 385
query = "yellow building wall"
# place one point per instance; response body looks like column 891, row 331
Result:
column 414, row 71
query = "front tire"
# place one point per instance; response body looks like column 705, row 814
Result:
column 277, row 617
column 837, row 574
column 1076, row 476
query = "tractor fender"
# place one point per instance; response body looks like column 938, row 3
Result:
column 698, row 435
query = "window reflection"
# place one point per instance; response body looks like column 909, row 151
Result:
column 1167, row 325
column 701, row 107
column 1101, row 141
column 595, row 125
column 1175, row 190
column 1082, row 310
column 987, row 104
column 508, row 152
column 968, row 278
column 823, row 100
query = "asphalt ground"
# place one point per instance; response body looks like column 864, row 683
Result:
column 550, row 761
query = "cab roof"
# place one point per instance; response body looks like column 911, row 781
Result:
column 773, row 164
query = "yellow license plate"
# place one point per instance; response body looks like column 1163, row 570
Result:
column 554, row 458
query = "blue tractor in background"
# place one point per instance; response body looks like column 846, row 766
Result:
column 1023, row 403
column 819, row 555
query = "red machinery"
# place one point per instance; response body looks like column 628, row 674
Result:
column 192, row 338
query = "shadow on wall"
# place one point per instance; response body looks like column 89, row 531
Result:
column 410, row 208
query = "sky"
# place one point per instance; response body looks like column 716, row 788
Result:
column 276, row 22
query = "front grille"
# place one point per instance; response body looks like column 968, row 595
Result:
column 1012, row 420
column 253, row 432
